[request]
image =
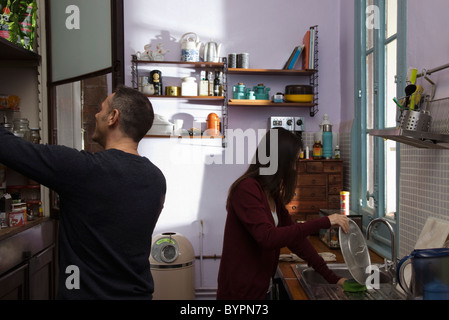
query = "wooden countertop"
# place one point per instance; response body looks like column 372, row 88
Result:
column 288, row 278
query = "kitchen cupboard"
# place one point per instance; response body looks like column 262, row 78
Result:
column 27, row 255
column 318, row 187
column 27, row 252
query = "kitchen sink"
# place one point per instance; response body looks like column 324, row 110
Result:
column 317, row 288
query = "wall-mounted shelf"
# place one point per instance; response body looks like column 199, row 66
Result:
column 206, row 98
column 274, row 72
column 418, row 139
column 267, row 103
column 178, row 64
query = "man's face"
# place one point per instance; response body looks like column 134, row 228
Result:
column 101, row 122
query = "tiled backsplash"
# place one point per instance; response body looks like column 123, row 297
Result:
column 424, row 183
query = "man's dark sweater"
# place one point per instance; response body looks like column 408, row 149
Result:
column 109, row 205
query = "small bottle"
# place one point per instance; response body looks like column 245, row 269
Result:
column 337, row 152
column 204, row 85
column 216, row 84
column 210, row 78
column 220, row 77
column 317, row 150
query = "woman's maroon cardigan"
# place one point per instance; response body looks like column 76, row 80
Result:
column 252, row 244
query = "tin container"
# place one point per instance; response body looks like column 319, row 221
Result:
column 172, row 91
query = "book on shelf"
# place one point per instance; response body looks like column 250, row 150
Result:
column 294, row 57
column 309, row 48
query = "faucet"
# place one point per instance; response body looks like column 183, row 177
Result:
column 392, row 270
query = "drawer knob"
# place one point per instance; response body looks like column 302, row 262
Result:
column 293, row 207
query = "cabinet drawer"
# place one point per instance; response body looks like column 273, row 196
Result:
column 335, row 188
column 334, row 201
column 293, row 207
column 331, row 167
column 301, row 167
column 306, row 206
column 313, row 167
column 311, row 193
column 335, row 179
column 312, row 180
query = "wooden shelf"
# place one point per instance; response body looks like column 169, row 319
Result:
column 13, row 52
column 267, row 103
column 218, row 98
column 182, row 63
column 275, row 72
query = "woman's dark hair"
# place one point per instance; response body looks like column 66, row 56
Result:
column 280, row 185
column 136, row 112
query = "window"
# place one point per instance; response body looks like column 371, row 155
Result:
column 380, row 71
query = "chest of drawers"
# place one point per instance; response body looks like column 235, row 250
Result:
column 318, row 187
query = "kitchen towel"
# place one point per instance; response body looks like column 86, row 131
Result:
column 434, row 234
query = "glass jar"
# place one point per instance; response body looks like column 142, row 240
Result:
column 317, row 150
column 35, row 137
column 7, row 126
column 22, row 129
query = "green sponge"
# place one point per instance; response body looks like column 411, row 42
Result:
column 353, row 286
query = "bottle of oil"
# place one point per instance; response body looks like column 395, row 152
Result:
column 317, row 150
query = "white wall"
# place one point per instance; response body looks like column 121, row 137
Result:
column 267, row 31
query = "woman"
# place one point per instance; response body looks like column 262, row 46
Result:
column 258, row 225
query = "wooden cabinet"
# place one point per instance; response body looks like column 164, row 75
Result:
column 318, row 187
column 27, row 255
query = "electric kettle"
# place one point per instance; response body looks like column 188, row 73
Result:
column 212, row 52
column 429, row 278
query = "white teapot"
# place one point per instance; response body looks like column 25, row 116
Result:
column 190, row 47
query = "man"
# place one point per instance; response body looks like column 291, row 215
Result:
column 109, row 201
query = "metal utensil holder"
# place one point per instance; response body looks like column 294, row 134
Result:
column 414, row 120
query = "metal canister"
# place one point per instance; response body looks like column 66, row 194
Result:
column 172, row 91
column 243, row 60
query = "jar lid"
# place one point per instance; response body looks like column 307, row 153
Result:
column 188, row 79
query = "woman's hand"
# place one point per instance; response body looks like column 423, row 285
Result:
column 340, row 220
column 341, row 281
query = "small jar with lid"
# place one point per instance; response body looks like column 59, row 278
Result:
column 22, row 129
column 317, row 150
column 189, row 87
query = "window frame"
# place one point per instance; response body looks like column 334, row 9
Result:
column 359, row 131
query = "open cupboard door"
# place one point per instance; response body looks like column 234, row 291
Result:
column 85, row 52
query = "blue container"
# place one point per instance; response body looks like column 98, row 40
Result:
column 327, row 144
